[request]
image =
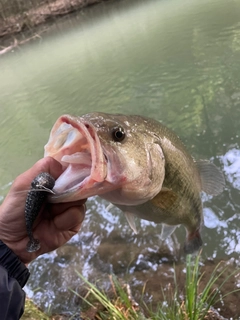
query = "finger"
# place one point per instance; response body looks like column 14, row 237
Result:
column 71, row 219
column 58, row 208
column 48, row 164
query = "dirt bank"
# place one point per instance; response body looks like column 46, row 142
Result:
column 18, row 16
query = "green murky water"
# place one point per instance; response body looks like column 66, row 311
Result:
column 176, row 61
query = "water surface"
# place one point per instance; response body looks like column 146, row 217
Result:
column 175, row 61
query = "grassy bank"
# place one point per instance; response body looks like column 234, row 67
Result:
column 191, row 304
column 32, row 312
column 198, row 300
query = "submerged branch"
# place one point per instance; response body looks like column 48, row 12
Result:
column 17, row 43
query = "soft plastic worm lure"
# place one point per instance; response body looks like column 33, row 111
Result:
column 40, row 187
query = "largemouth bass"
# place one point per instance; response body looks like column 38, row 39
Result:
column 135, row 163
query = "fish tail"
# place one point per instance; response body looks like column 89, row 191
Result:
column 33, row 245
column 193, row 242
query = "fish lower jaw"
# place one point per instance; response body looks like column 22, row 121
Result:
column 76, row 191
column 69, row 195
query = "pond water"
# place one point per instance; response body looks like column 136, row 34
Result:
column 176, row 61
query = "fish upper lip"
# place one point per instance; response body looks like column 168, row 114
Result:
column 76, row 130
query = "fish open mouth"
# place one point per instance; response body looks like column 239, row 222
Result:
column 75, row 144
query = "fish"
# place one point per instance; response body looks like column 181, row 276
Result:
column 41, row 185
column 138, row 165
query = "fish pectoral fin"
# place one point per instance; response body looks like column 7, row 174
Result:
column 131, row 220
column 109, row 207
column 167, row 230
column 212, row 178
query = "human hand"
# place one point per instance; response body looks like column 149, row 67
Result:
column 55, row 224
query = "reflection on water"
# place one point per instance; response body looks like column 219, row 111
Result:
column 231, row 167
column 175, row 61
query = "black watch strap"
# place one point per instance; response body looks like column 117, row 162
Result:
column 15, row 268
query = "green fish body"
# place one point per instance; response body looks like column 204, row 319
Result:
column 137, row 164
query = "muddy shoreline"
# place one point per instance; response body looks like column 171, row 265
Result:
column 28, row 23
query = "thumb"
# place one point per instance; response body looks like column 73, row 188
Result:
column 48, row 164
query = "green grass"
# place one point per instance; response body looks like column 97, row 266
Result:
column 193, row 304
column 121, row 308
column 32, row 312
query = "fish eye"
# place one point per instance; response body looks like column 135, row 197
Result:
column 118, row 134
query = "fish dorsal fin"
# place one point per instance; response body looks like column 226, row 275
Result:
column 131, row 220
column 167, row 231
column 212, row 178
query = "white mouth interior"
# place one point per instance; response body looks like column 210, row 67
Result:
column 78, row 168
column 72, row 178
column 75, row 143
column 73, row 150
column 79, row 157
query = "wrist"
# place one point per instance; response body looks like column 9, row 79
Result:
column 19, row 249
column 15, row 267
